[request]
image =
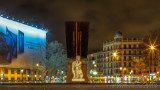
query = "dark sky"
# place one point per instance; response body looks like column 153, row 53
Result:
column 135, row 18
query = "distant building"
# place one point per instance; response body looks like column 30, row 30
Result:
column 21, row 48
column 93, row 61
column 105, row 64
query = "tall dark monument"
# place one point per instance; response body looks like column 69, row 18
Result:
column 77, row 45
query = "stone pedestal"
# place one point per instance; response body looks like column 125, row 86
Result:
column 69, row 71
column 78, row 80
column 84, row 69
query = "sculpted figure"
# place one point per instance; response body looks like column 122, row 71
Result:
column 76, row 68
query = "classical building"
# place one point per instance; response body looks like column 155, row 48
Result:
column 116, row 59
column 22, row 51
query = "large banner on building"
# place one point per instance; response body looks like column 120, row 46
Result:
column 8, row 46
column 20, row 44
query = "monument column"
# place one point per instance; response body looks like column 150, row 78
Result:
column 77, row 45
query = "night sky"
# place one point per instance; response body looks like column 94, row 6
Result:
column 135, row 18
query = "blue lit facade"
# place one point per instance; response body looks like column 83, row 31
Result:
column 21, row 46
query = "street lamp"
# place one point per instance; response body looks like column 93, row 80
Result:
column 37, row 65
column 157, row 74
column 35, row 77
column 152, row 48
column 114, row 54
column 120, row 68
column 121, row 73
column 131, row 75
column 42, row 69
column 95, row 73
column 62, row 72
column 95, row 69
column 22, row 74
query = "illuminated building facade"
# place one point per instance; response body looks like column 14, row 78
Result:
column 21, row 48
column 92, row 62
column 120, row 65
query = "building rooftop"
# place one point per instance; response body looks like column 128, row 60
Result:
column 118, row 33
column 18, row 22
column 119, row 38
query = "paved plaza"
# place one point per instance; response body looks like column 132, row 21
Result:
column 77, row 86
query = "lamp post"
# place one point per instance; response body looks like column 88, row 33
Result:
column 95, row 73
column 121, row 73
column 115, row 54
column 37, row 65
column 35, row 76
column 152, row 47
column 131, row 75
column 124, row 69
column 158, row 76
column 62, row 72
column 22, row 74
column 42, row 70
column 37, row 69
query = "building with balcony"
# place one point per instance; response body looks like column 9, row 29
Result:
column 117, row 59
column 126, row 49
column 21, row 48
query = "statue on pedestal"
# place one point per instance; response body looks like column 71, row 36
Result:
column 77, row 48
column 76, row 70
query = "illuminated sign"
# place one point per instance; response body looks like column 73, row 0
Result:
column 2, row 75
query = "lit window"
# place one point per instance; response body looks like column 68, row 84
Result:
column 12, row 71
column 93, row 62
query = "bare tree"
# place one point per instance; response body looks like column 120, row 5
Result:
column 139, row 64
